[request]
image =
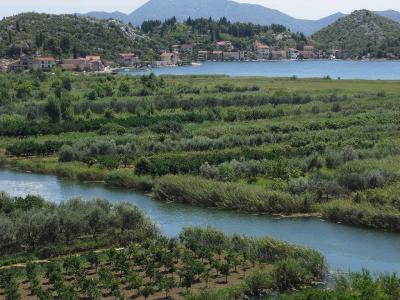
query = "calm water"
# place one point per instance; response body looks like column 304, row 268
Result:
column 344, row 247
column 303, row 69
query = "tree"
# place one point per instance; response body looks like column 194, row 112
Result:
column 206, row 276
column 225, row 270
column 65, row 44
column 53, row 110
column 30, row 226
column 188, row 279
column 94, row 259
column 128, row 216
column 167, row 284
column 135, row 281
column 7, row 231
column 146, row 291
column 97, row 220
column 233, row 259
column 72, row 223
column 67, row 293
column 11, row 289
column 66, row 107
column 124, row 88
column 90, row 289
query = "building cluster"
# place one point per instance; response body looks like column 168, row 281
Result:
column 178, row 55
column 28, row 62
column 225, row 51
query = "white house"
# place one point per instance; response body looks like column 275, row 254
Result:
column 261, row 49
column 293, row 53
column 169, row 59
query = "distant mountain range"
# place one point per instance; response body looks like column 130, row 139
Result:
column 233, row 11
column 362, row 33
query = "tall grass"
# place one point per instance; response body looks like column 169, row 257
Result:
column 231, row 196
column 363, row 214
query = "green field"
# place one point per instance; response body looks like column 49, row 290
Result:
column 321, row 147
column 295, row 147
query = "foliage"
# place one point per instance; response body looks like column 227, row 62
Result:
column 362, row 33
column 197, row 191
column 64, row 35
column 31, row 222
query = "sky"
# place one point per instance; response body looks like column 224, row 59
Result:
column 308, row 9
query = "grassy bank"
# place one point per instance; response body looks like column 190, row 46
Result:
column 122, row 178
column 231, row 196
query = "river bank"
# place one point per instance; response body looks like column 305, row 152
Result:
column 345, row 247
column 126, row 179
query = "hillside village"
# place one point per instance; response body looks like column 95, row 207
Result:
column 169, row 43
column 183, row 54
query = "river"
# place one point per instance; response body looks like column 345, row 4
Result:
column 345, row 69
column 345, row 247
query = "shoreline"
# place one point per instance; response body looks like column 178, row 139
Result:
column 313, row 215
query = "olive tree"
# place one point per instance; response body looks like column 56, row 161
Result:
column 7, row 231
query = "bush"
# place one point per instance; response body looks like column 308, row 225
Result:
column 31, row 148
column 259, row 283
column 232, row 196
column 289, row 274
column 3, row 160
column 167, row 127
column 111, row 128
column 66, row 154
column 362, row 214
column 127, row 179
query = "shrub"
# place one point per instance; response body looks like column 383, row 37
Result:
column 3, row 160
column 111, row 128
column 127, row 179
column 259, row 283
column 333, row 159
column 167, row 127
column 202, row 192
column 289, row 274
column 362, row 214
column 30, row 148
column 66, row 154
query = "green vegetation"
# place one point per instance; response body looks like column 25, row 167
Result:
column 362, row 33
column 241, row 197
column 75, row 36
column 312, row 147
column 46, row 230
column 206, row 32
column 83, row 240
column 66, row 36
column 355, row 286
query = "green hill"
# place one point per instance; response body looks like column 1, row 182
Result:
column 71, row 35
column 362, row 33
column 66, row 35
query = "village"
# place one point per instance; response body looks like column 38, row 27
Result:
column 183, row 54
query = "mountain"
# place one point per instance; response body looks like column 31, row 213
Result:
column 390, row 14
column 116, row 15
column 233, row 11
column 361, row 33
column 65, row 35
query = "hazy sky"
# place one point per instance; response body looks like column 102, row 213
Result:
column 310, row 9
